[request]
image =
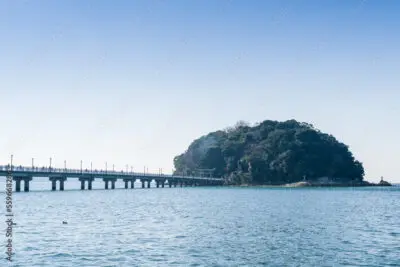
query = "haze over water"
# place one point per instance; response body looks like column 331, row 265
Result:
column 206, row 227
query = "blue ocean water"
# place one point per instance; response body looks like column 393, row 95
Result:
column 201, row 226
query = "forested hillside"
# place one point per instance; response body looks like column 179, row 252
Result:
column 271, row 152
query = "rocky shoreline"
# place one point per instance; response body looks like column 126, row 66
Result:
column 324, row 184
column 336, row 184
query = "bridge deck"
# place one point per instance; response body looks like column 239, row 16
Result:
column 76, row 173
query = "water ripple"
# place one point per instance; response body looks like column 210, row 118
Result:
column 208, row 227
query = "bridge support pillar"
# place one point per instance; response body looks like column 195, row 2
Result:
column 53, row 185
column 132, row 183
column 62, row 185
column 26, row 183
column 17, row 185
column 148, row 183
column 90, row 184
column 82, row 184
column 158, row 183
column 112, row 184
column 162, row 183
column 26, row 186
column 169, row 184
column 106, row 184
column 112, row 180
column 126, row 184
column 18, row 181
column 143, row 186
column 54, row 180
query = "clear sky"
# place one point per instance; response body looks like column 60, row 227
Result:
column 134, row 82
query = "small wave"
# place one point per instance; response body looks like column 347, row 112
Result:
column 60, row 254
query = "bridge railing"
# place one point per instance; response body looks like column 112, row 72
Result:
column 97, row 172
column 63, row 170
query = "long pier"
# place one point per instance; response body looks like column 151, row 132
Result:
column 26, row 174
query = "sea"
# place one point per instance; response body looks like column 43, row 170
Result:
column 203, row 226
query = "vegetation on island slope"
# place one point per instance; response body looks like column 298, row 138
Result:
column 271, row 153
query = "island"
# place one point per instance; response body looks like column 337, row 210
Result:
column 273, row 153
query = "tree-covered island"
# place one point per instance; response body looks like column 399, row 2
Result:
column 272, row 153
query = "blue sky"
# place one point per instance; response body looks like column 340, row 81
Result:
column 134, row 82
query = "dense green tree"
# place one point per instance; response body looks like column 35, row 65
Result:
column 271, row 152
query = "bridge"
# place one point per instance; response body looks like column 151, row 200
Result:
column 26, row 174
